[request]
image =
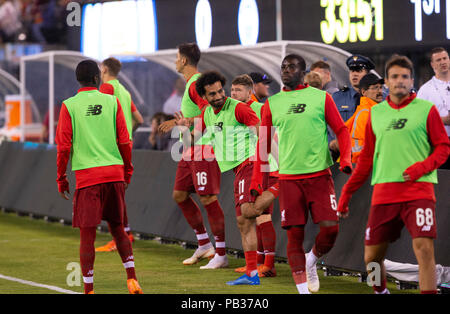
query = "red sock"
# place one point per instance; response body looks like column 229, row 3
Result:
column 268, row 236
column 260, row 250
column 194, row 218
column 325, row 240
column 87, row 257
column 217, row 224
column 124, row 248
column 428, row 291
column 296, row 254
column 380, row 288
column 251, row 262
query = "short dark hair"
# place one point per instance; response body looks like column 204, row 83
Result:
column 244, row 80
column 114, row 66
column 191, row 52
column 436, row 50
column 208, row 78
column 320, row 65
column 401, row 61
column 299, row 58
column 86, row 72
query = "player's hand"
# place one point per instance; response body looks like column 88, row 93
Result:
column 334, row 145
column 255, row 190
column 125, row 185
column 414, row 172
column 167, row 126
column 342, row 209
column 250, row 211
column 346, row 167
column 180, row 120
column 65, row 195
column 63, row 188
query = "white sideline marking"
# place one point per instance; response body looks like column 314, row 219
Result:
column 35, row 284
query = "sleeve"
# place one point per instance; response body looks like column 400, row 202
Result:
column 124, row 144
column 64, row 145
column 365, row 162
column 123, row 136
column 441, row 147
column 200, row 125
column 107, row 88
column 244, row 114
column 261, row 167
column 196, row 98
column 334, row 120
column 133, row 107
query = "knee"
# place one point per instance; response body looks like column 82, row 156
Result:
column 423, row 247
column 207, row 199
column 180, row 196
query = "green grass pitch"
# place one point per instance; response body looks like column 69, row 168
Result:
column 39, row 251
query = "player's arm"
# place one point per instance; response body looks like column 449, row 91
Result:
column 244, row 114
column 334, row 120
column 136, row 116
column 124, row 144
column 63, row 141
column 263, row 149
column 361, row 172
column 441, row 148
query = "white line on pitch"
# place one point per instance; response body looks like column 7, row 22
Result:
column 35, row 284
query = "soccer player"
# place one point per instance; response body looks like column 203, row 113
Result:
column 241, row 89
column 198, row 170
column 232, row 127
column 301, row 114
column 405, row 143
column 109, row 71
column 92, row 132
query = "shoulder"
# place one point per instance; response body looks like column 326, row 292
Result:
column 107, row 88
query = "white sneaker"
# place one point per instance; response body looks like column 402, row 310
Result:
column 217, row 262
column 311, row 275
column 206, row 251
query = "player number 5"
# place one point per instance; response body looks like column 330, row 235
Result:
column 333, row 201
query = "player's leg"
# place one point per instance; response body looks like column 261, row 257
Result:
column 111, row 245
column 87, row 257
column 321, row 196
column 191, row 211
column 375, row 254
column 420, row 220
column 424, row 251
column 87, row 214
column 247, row 228
column 217, row 224
column 206, row 176
column 113, row 197
column 296, row 257
column 268, row 239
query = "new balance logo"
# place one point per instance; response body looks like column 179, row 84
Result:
column 296, row 108
column 397, row 124
column 218, row 126
column 426, row 228
column 94, row 110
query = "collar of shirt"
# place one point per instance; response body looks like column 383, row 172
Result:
column 216, row 111
column 299, row 87
column 86, row 89
column 404, row 103
column 440, row 83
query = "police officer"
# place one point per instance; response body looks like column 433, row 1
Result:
column 347, row 99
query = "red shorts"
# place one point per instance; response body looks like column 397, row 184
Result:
column 298, row 197
column 242, row 181
column 386, row 221
column 202, row 177
column 92, row 204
